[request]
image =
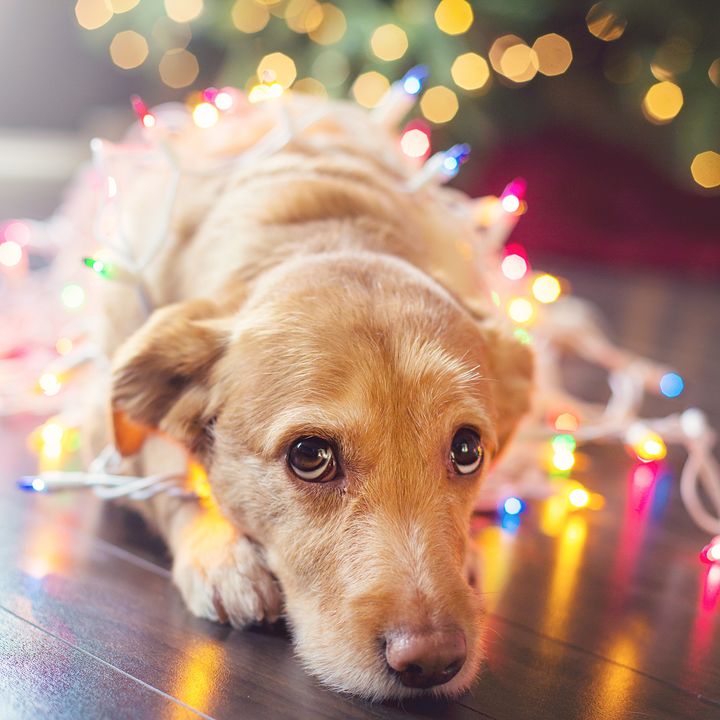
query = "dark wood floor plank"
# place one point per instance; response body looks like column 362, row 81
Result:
column 130, row 615
column 43, row 677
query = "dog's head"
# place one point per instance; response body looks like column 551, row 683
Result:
column 346, row 414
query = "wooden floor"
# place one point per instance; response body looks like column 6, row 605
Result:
column 605, row 614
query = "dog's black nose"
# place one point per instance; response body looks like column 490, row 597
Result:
column 425, row 659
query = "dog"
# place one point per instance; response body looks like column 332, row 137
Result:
column 326, row 352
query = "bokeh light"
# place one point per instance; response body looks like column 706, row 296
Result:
column 519, row 63
column 439, row 104
column 705, row 169
column 579, row 497
column 566, row 422
column 415, row 143
column 389, row 42
column 650, row 447
column 662, row 102
column 183, row 10
column 310, row 86
column 277, row 67
column 514, row 267
column 303, row 16
column 249, row 16
column 521, row 310
column 205, row 115
column 64, row 346
column 369, row 88
column 470, row 71
column 93, row 14
column 672, row 58
column 510, row 203
column 513, row 506
column 671, row 385
column 714, row 72
column 170, row 35
column 72, row 296
column 178, row 68
column 546, row 288
column 554, row 54
column 128, row 49
column 454, row 17
column 603, row 23
column 333, row 25
column 563, row 460
column 10, row 253
column 50, row 384
column 123, row 6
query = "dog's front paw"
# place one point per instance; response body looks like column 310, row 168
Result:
column 222, row 575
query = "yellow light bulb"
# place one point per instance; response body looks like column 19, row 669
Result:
column 546, row 288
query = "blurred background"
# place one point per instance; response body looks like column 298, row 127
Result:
column 611, row 111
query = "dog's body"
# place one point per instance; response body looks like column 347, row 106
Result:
column 310, row 295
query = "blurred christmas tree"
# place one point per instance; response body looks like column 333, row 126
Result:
column 641, row 72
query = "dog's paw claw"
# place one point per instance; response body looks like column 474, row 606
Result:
column 226, row 580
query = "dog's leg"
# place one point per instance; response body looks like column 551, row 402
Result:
column 220, row 572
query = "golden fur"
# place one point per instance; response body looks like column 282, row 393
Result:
column 311, row 295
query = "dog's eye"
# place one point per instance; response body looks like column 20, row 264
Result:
column 312, row 459
column 466, row 451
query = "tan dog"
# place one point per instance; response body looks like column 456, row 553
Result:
column 318, row 354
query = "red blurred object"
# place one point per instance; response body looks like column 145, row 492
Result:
column 599, row 202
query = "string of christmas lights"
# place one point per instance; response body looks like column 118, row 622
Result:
column 39, row 368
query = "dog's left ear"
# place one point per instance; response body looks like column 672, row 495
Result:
column 162, row 375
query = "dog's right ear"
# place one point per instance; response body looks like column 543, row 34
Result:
column 162, row 375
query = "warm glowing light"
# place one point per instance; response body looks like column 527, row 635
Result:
column 64, row 346
column 72, row 296
column 123, row 6
column 563, row 460
column 579, row 497
column 149, row 120
column 265, row 91
column 92, row 14
column 50, row 384
column 705, row 169
column 303, row 16
column 521, row 310
column 38, row 485
column 249, row 16
column 514, row 267
column 499, row 47
column 389, row 42
column 369, row 88
column 671, row 385
column 128, row 49
column 605, row 24
column 224, row 100
column 277, row 67
column 648, row 445
column 333, row 25
column 10, row 253
column 513, row 506
column 519, row 63
column 454, row 17
column 205, row 115
column 714, row 72
column 566, row 422
column 439, row 104
column 52, row 433
column 546, row 288
column 178, row 68
column 415, row 143
column 183, row 10
column 311, row 86
column 554, row 54
column 672, row 58
column 662, row 102
column 470, row 71
column 510, row 203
